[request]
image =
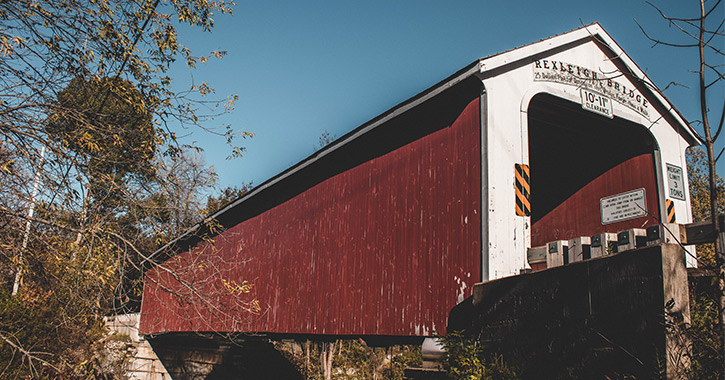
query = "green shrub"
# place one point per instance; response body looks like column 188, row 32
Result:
column 465, row 359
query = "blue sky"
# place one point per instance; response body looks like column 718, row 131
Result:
column 302, row 68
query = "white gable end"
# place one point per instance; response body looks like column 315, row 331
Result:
column 586, row 68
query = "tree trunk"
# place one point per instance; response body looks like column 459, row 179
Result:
column 307, row 357
column 28, row 224
column 328, row 353
column 709, row 146
column 720, row 254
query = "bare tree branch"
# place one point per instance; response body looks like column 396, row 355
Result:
column 28, row 355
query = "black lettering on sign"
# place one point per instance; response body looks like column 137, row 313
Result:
column 592, row 79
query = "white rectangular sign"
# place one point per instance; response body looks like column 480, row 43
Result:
column 613, row 85
column 675, row 182
column 625, row 206
column 597, row 103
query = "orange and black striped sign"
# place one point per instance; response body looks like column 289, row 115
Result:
column 523, row 195
column 670, row 211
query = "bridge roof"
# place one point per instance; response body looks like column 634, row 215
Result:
column 484, row 67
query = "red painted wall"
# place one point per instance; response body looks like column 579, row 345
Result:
column 384, row 248
column 580, row 214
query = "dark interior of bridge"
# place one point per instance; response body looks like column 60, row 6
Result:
column 569, row 147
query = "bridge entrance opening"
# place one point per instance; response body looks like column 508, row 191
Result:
column 577, row 158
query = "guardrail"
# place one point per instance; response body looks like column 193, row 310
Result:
column 563, row 252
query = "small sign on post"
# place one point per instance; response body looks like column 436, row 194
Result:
column 675, row 182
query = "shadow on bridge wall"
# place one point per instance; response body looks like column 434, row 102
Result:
column 196, row 357
column 615, row 317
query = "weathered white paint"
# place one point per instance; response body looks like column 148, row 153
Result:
column 510, row 85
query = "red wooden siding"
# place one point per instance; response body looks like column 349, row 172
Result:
column 384, row 248
column 580, row 214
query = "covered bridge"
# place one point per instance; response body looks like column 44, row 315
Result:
column 385, row 230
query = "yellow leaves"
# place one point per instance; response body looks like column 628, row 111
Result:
column 230, row 103
column 165, row 39
column 214, row 227
column 254, row 306
column 204, row 89
column 109, row 273
column 18, row 41
column 237, row 152
column 6, row 166
column 34, row 8
column 32, row 295
column 244, row 288
column 160, row 239
column 190, row 61
column 6, row 45
column 87, row 140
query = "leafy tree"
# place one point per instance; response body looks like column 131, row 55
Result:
column 704, row 331
column 705, row 337
column 86, row 83
column 350, row 359
column 697, row 174
column 465, row 359
column 228, row 195
column 105, row 121
column 705, row 33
